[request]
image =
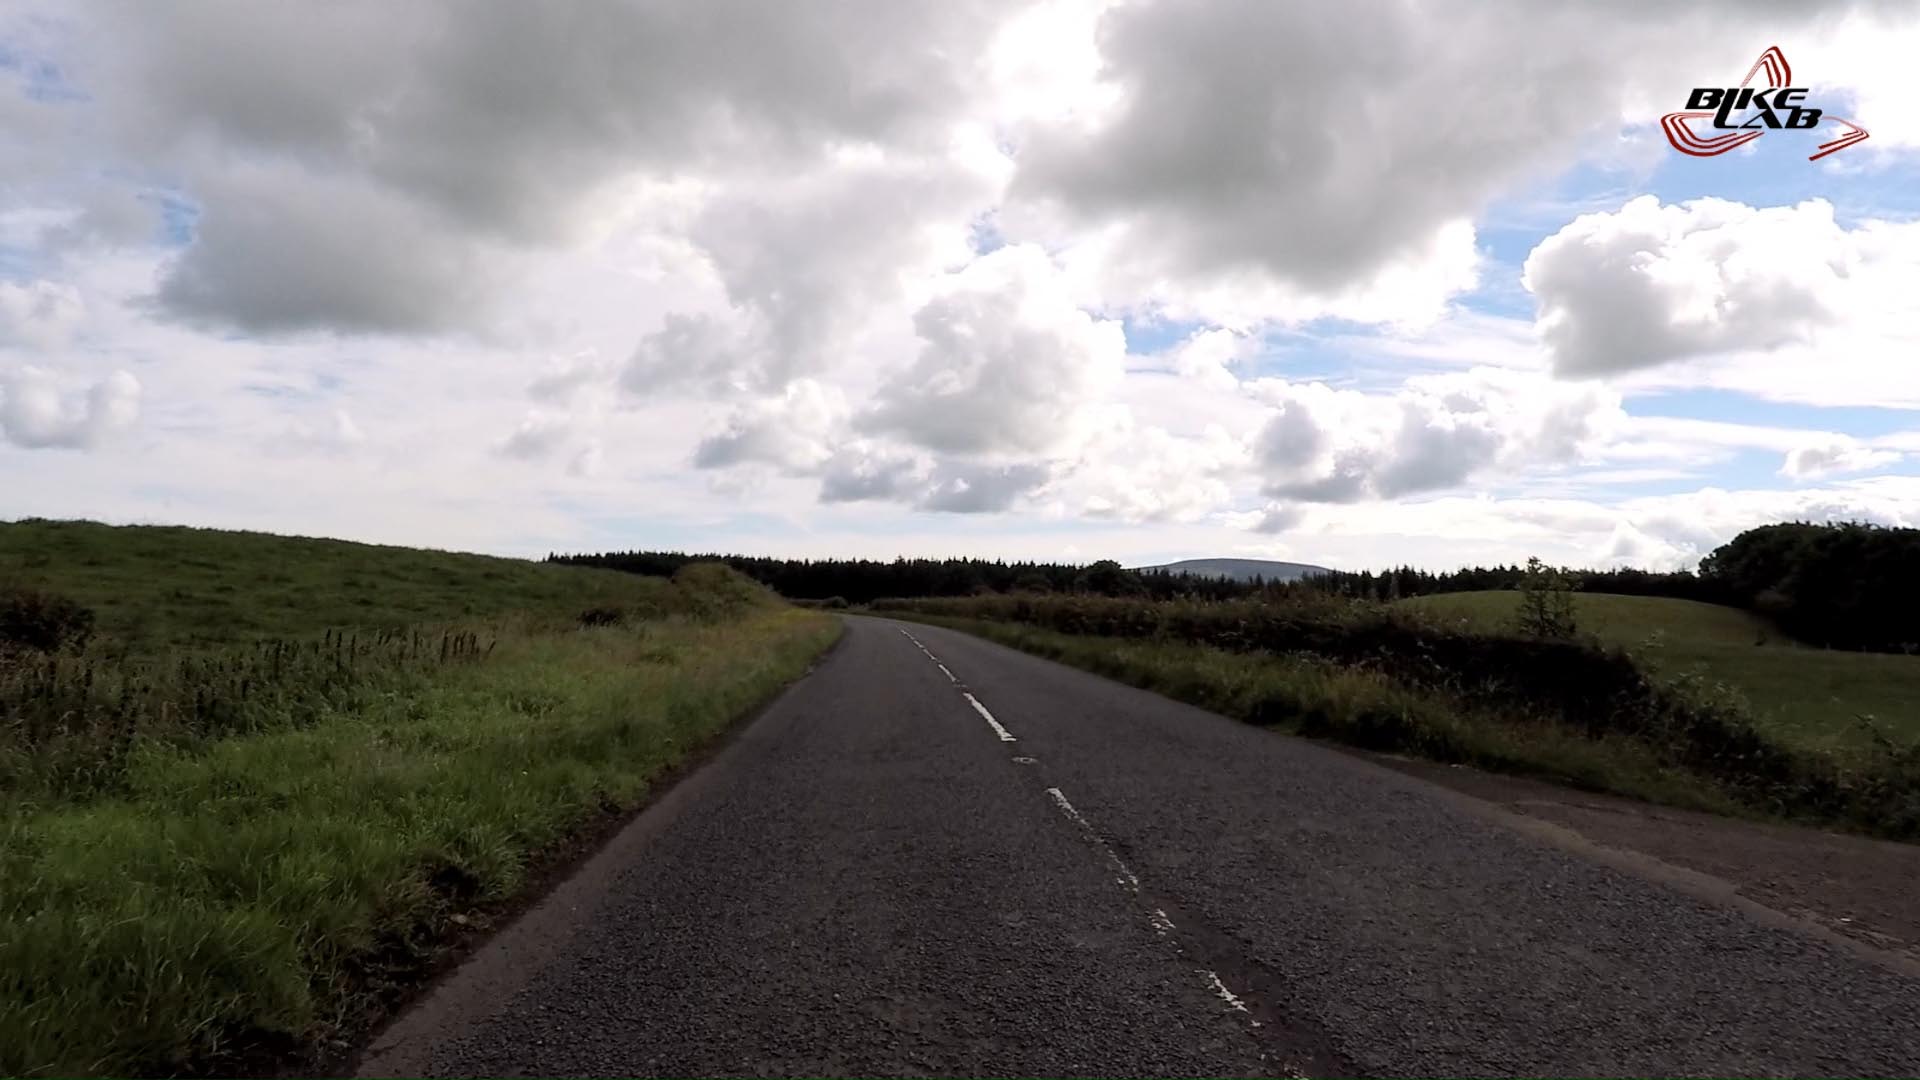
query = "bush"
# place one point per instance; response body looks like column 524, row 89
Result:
column 836, row 603
column 42, row 621
column 1546, row 602
column 1033, row 583
column 602, row 616
column 1109, row 578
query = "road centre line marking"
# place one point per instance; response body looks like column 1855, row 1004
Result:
column 1127, row 877
column 998, row 729
column 1005, row 735
column 918, row 645
column 1157, row 918
column 1162, row 924
column 1226, row 995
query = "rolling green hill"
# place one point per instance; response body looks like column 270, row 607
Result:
column 226, row 834
column 1627, row 621
column 1809, row 696
column 157, row 588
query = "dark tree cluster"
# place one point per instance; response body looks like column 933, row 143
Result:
column 1849, row 586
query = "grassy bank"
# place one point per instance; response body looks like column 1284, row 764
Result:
column 1389, row 680
column 1812, row 698
column 207, row 891
column 157, row 589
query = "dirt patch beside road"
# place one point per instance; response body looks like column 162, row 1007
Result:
column 1853, row 886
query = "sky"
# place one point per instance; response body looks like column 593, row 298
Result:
column 1358, row 284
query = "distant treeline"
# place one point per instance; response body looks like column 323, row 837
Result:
column 1407, row 581
column 861, row 581
column 1848, row 586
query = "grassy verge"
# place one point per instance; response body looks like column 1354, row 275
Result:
column 1362, row 708
column 211, row 895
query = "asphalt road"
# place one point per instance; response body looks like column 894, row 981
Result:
column 1061, row 875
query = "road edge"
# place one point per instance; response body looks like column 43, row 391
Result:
column 478, row 970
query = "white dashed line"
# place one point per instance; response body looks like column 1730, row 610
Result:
column 998, row 729
column 1126, row 875
column 1005, row 735
column 1226, row 995
column 1157, row 918
column 918, row 645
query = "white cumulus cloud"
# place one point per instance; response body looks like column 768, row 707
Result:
column 1835, row 455
column 878, row 264
column 1323, row 444
column 1007, row 362
column 37, row 412
column 39, row 314
column 1650, row 283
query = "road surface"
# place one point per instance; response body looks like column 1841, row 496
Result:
column 935, row 855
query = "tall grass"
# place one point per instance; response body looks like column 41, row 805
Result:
column 69, row 722
column 261, row 873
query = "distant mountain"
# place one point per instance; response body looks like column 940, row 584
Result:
column 1242, row 569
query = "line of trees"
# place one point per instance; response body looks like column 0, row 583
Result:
column 1405, row 581
column 861, row 581
column 1846, row 586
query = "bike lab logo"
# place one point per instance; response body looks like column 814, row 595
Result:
column 1745, row 112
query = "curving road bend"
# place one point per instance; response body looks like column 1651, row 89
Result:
column 935, row 855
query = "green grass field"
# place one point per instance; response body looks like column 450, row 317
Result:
column 159, row 588
column 1804, row 696
column 185, row 898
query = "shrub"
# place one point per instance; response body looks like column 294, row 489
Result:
column 1109, row 578
column 837, row 603
column 602, row 616
column 42, row 621
column 1033, row 583
column 1546, row 602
